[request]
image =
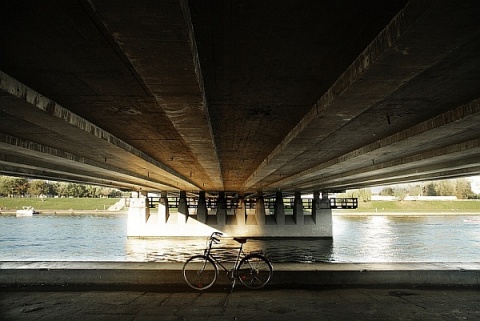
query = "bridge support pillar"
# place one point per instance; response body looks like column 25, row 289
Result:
column 221, row 209
column 323, row 215
column 260, row 209
column 138, row 213
column 163, row 210
column 231, row 218
column 279, row 210
column 202, row 208
column 182, row 208
column 298, row 209
column 240, row 213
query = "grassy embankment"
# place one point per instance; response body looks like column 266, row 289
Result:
column 373, row 207
column 57, row 204
column 470, row 207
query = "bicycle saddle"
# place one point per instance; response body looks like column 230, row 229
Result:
column 240, row 240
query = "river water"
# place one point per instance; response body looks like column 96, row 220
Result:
column 355, row 239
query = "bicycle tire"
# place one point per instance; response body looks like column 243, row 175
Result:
column 200, row 272
column 254, row 271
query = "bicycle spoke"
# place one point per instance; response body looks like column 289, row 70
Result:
column 200, row 272
column 254, row 271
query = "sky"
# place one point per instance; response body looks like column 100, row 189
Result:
column 475, row 181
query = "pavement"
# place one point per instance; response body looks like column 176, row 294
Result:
column 320, row 291
column 271, row 304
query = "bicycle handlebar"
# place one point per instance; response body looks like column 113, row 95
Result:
column 214, row 238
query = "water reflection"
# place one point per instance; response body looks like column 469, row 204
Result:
column 277, row 250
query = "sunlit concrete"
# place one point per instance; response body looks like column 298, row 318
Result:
column 143, row 221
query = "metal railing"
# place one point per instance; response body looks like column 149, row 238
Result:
column 233, row 203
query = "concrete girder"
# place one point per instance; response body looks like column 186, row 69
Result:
column 362, row 86
column 61, row 125
column 181, row 92
column 207, row 97
column 458, row 124
column 43, row 162
column 462, row 159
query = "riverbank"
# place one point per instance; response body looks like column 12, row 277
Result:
column 69, row 212
column 62, row 205
column 79, row 206
column 408, row 213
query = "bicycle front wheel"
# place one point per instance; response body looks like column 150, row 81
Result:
column 254, row 271
column 200, row 272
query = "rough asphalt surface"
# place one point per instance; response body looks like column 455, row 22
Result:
column 143, row 304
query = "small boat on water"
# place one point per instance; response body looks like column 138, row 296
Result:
column 26, row 211
column 472, row 220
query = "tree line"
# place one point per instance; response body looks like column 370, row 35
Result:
column 461, row 188
column 23, row 187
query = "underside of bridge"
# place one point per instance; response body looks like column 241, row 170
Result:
column 240, row 96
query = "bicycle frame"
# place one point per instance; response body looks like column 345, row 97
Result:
column 253, row 269
column 240, row 255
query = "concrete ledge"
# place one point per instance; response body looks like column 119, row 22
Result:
column 285, row 274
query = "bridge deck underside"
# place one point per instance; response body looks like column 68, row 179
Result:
column 242, row 96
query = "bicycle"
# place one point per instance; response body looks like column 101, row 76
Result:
column 253, row 270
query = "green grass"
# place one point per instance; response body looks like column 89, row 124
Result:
column 419, row 206
column 60, row 204
column 65, row 204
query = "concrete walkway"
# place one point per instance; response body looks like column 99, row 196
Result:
column 321, row 291
column 357, row 304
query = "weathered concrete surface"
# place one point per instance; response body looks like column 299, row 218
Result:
column 285, row 274
column 153, row 291
column 144, row 304
column 240, row 96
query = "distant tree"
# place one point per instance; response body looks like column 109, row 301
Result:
column 415, row 190
column 62, row 189
column 463, row 189
column 429, row 190
column 7, row 185
column 386, row 191
column 13, row 186
column 400, row 193
column 445, row 187
column 364, row 194
column 38, row 187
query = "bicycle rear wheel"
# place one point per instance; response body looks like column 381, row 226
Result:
column 254, row 271
column 200, row 272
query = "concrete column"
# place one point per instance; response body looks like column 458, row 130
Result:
column 240, row 211
column 298, row 209
column 202, row 208
column 324, row 216
column 221, row 209
column 324, row 201
column 315, row 204
column 163, row 210
column 138, row 214
column 182, row 208
column 260, row 209
column 279, row 209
